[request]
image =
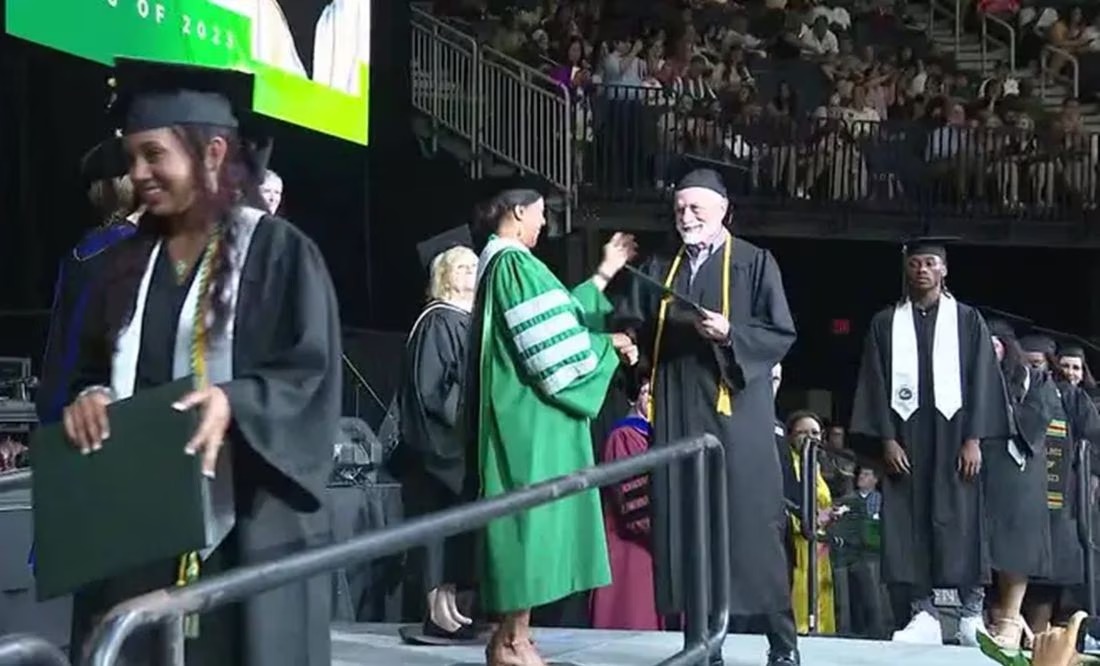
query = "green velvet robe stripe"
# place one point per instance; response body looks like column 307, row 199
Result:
column 544, row 369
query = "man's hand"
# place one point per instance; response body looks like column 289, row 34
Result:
column 1057, row 646
column 970, row 459
column 713, row 326
column 897, row 462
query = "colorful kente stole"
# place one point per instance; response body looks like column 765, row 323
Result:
column 190, row 563
column 1058, row 458
column 723, row 401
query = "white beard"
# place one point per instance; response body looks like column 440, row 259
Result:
column 698, row 236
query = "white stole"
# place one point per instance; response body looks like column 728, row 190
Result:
column 946, row 361
column 495, row 245
column 219, row 359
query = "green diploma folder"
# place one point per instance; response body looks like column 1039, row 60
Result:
column 138, row 500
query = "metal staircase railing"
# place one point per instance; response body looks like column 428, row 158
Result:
column 949, row 10
column 987, row 39
column 506, row 110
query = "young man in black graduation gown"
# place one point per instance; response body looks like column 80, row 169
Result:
column 113, row 199
column 431, row 461
column 930, row 391
column 269, row 408
column 712, row 374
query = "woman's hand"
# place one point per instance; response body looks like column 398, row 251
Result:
column 86, row 421
column 210, row 435
column 618, row 251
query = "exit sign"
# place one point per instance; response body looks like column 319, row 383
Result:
column 841, row 326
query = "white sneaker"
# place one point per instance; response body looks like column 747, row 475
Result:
column 923, row 629
column 969, row 627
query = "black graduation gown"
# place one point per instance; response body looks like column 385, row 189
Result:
column 932, row 532
column 75, row 280
column 688, row 373
column 285, row 400
column 1079, row 414
column 432, row 457
column 1016, row 499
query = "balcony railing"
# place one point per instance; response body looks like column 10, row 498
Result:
column 633, row 140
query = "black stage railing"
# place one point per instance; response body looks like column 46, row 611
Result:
column 629, row 142
column 706, row 617
column 26, row 650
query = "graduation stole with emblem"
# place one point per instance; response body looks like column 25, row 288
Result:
column 1058, row 467
column 723, row 401
column 189, row 563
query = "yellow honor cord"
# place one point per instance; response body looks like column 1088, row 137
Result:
column 190, row 563
column 723, row 402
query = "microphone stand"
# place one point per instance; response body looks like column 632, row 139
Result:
column 809, row 527
column 1084, row 519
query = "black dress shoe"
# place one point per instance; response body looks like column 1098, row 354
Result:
column 784, row 658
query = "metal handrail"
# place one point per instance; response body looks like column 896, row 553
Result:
column 1084, row 520
column 168, row 606
column 503, row 107
column 956, row 16
column 809, row 528
column 986, row 37
column 1043, row 70
column 533, row 131
column 449, row 58
column 19, row 479
column 27, row 650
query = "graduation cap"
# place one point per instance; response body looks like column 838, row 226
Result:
column 153, row 95
column 1069, row 344
column 927, row 245
column 1038, row 343
column 714, row 175
column 436, row 245
column 516, row 189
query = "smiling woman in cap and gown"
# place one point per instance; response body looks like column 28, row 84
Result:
column 212, row 287
column 712, row 374
column 929, row 391
column 431, row 461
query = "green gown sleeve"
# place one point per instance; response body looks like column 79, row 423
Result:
column 569, row 365
column 595, row 306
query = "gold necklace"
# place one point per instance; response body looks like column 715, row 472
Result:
column 181, row 270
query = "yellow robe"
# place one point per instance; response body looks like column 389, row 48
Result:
column 826, row 615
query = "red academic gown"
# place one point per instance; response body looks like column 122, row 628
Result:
column 629, row 601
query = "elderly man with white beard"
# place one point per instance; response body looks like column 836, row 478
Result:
column 712, row 373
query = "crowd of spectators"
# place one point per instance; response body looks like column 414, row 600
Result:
column 834, row 99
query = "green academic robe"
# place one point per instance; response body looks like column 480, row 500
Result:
column 541, row 372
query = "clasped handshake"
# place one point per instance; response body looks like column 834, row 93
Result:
column 620, row 250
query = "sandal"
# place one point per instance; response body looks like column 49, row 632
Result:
column 1012, row 633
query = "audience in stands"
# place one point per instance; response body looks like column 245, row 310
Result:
column 878, row 107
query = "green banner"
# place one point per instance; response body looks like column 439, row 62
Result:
column 326, row 90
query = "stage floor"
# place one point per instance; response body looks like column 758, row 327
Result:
column 357, row 644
